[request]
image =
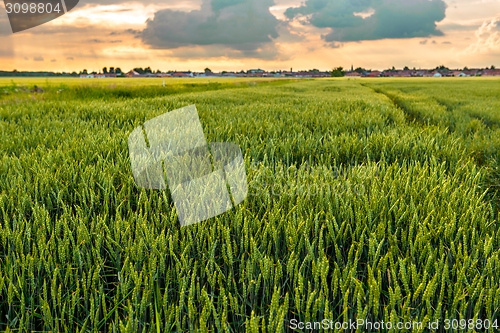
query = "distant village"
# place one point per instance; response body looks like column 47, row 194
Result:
column 440, row 71
column 338, row 72
column 427, row 73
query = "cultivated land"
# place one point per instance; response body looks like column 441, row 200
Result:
column 120, row 82
column 368, row 199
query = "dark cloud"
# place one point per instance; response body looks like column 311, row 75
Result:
column 267, row 51
column 331, row 14
column 70, row 58
column 423, row 42
column 241, row 25
column 186, row 3
column 38, row 58
column 217, row 5
column 134, row 32
column 336, row 45
column 390, row 18
column 448, row 43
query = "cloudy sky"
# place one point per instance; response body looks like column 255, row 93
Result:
column 270, row 34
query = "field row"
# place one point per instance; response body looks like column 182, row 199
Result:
column 368, row 199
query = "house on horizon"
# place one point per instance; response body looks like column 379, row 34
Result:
column 373, row 74
column 352, row 74
column 132, row 73
column 304, row 74
column 135, row 74
column 209, row 74
column 403, row 73
column 458, row 74
column 491, row 72
column 229, row 74
column 388, row 73
column 181, row 74
column 256, row 71
column 322, row 74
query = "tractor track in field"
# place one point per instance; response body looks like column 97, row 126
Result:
column 409, row 114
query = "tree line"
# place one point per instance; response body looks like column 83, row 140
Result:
column 336, row 72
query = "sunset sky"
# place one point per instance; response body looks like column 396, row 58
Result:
column 269, row 34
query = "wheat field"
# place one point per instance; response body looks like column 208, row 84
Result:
column 368, row 199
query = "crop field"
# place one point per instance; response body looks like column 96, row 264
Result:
column 368, row 199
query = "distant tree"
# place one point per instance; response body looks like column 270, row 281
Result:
column 139, row 70
column 148, row 70
column 158, row 71
column 492, row 67
column 442, row 68
column 111, row 70
column 105, row 70
column 118, row 70
column 360, row 70
column 208, row 70
column 406, row 68
column 337, row 72
column 466, row 68
column 393, row 68
column 84, row 72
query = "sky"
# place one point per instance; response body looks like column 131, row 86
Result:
column 268, row 34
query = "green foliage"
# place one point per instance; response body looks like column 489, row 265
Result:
column 338, row 72
column 367, row 199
